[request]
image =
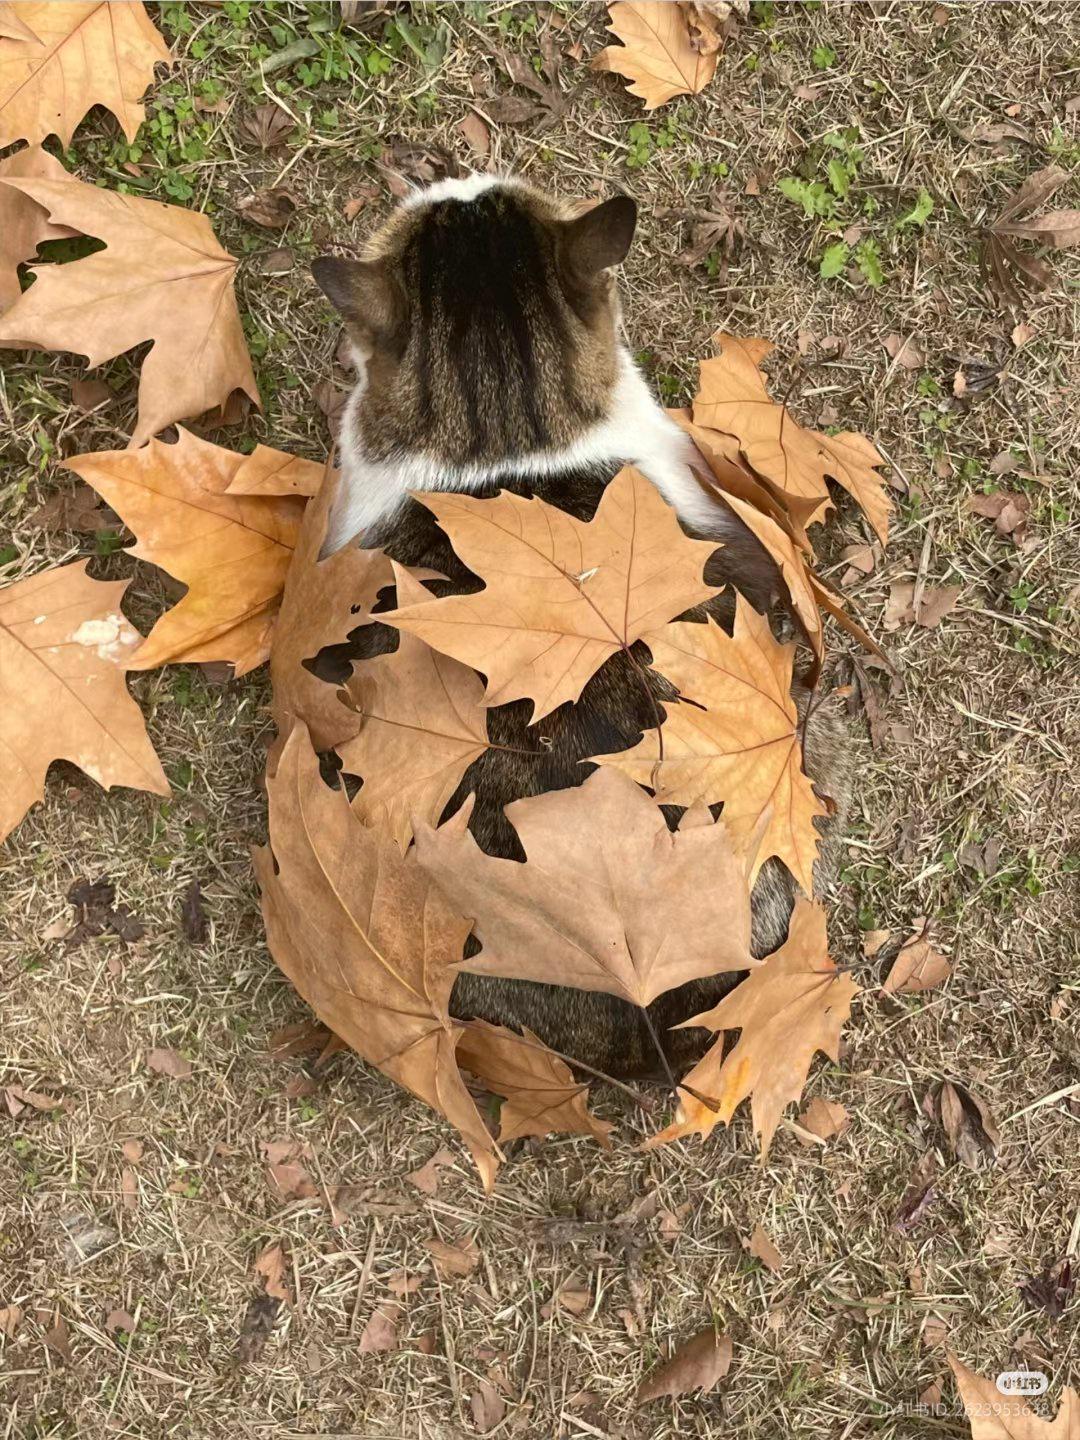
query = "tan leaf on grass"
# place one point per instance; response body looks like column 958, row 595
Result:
column 162, row 277
column 699, row 1364
column 64, row 648
column 824, row 1118
column 762, row 1248
column 427, row 1177
column 487, row 1406
column 166, row 1061
column 733, row 736
column 562, row 595
column 79, row 53
column 994, row 1416
column 540, row 1093
column 232, row 551
column 270, row 1267
column 380, row 1332
column 789, row 1007
column 918, row 966
column 454, row 1261
column 422, row 724
column 366, row 939
column 323, row 601
column 24, row 225
column 10, row 1320
column 609, row 898
column 657, row 55
column 733, row 397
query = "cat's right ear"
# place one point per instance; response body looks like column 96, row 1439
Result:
column 363, row 292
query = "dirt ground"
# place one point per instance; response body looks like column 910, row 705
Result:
column 975, row 746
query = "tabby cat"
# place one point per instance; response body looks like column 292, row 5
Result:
column 486, row 330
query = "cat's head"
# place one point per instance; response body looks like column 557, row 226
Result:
column 485, row 322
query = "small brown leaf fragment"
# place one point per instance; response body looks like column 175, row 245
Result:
column 267, row 126
column 763, row 1249
column 475, row 133
column 573, row 1296
column 918, row 966
column 940, row 15
column 427, row 1177
column 132, row 1150
column 1051, row 1290
column 297, row 1039
column 701, row 1363
column 824, row 1118
column 297, row 1087
column 163, row 1060
column 905, row 352
column 10, row 1320
column 58, row 1339
column 256, row 1328
column 873, row 941
column 18, row 1098
column 487, row 1406
column 129, row 1188
column 969, row 1125
column 937, row 601
column 453, row 1260
column 380, row 1332
column 401, row 1283
column 270, row 1268
column 935, row 1332
column 272, row 208
column 87, row 395
column 193, row 914
column 1010, row 511
column 120, row 1320
column 427, row 1343
column 292, row 1181
column 1022, row 333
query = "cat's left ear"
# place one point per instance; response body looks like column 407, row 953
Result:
column 363, row 292
column 599, row 238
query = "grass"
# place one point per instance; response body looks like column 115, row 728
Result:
column 978, row 742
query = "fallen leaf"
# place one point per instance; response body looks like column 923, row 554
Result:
column 193, row 919
column 162, row 277
column 453, row 1261
column 919, row 1196
column 380, row 1332
column 79, row 53
column 339, row 889
column 166, row 1061
column 272, row 208
column 10, row 1320
column 487, row 1406
column 657, row 55
column 699, row 1364
column 24, row 225
column 994, row 1416
column 427, row 1177
column 475, row 134
column 129, row 1188
column 1052, row 1290
column 256, row 1328
column 17, row 1099
column 918, row 966
column 1024, row 332
column 267, row 126
column 762, row 1247
column 561, row 595
column 1006, row 268
column 64, row 646
column 132, row 1150
column 291, row 1180
column 706, row 21
column 906, row 352
column 791, row 1005
column 323, row 600
column 422, row 724
column 1010, row 511
column 609, row 899
column 270, row 1267
column 540, row 1093
column 58, row 1339
column 120, row 1320
column 573, row 1296
column 297, row 1039
column 873, row 941
column 824, row 1118
column 967, row 1121
column 401, row 1283
column 231, row 550
column 733, row 736
column 937, row 601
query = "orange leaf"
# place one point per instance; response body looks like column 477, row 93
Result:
column 656, row 55
column 77, row 54
column 366, row 938
column 790, row 1006
column 562, row 595
column 699, row 1364
column 994, row 1416
column 64, row 648
column 737, row 742
column 162, row 276
column 231, row 551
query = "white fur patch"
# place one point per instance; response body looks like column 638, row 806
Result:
column 467, row 188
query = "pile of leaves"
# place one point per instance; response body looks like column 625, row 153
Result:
column 368, row 904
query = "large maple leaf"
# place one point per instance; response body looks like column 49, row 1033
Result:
column 24, row 225
column 793, row 1004
column 76, row 54
column 562, row 595
column 996, row 1416
column 367, row 939
column 231, row 550
column 64, row 648
column 162, row 277
column 734, row 737
column 608, row 899
column 656, row 55
column 733, row 397
column 423, row 723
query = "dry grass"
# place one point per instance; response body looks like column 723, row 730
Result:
column 988, row 714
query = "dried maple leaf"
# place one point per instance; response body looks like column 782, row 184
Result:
column 791, row 1005
column 162, row 277
column 323, row 600
column 422, row 724
column 699, row 1364
column 609, row 898
column 24, row 225
column 64, row 647
column 994, row 1416
column 231, row 550
column 735, row 740
column 562, row 595
column 657, row 55
column 366, row 939
column 918, row 966
column 761, row 1246
column 79, row 53
column 1004, row 267
column 733, row 397
column 540, row 1093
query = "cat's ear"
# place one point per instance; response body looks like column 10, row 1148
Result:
column 599, row 238
column 363, row 292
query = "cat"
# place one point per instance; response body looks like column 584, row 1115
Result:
column 485, row 326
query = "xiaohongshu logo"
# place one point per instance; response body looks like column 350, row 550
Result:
column 1022, row 1382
